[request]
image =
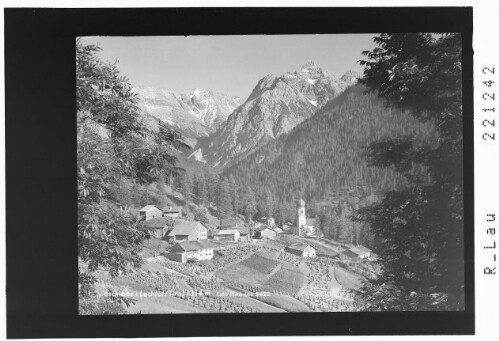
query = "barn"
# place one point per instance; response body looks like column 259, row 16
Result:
column 244, row 234
column 302, row 250
column 363, row 252
column 198, row 250
column 278, row 230
column 158, row 227
column 348, row 255
column 227, row 235
column 172, row 211
column 149, row 212
column 266, row 233
column 187, row 230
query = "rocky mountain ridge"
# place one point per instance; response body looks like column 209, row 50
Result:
column 194, row 114
column 274, row 107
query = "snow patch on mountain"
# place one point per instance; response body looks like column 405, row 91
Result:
column 197, row 113
column 198, row 155
column 313, row 102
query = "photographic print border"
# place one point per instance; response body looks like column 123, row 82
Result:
column 42, row 298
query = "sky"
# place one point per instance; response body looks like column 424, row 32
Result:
column 231, row 65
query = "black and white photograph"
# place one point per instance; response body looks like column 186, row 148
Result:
column 264, row 170
column 270, row 174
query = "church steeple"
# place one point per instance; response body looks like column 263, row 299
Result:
column 301, row 218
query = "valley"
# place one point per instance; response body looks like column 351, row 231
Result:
column 299, row 197
column 257, row 279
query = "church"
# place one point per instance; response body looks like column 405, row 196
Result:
column 304, row 226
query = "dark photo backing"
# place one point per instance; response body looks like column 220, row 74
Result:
column 42, row 294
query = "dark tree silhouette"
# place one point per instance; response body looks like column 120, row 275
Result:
column 421, row 226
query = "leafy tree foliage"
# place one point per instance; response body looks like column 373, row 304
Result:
column 114, row 149
column 420, row 226
column 201, row 215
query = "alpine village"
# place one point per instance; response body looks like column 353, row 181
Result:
column 316, row 193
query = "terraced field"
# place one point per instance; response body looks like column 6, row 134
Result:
column 288, row 279
column 244, row 279
column 251, row 271
column 261, row 264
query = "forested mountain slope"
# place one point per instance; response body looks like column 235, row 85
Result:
column 275, row 106
column 327, row 152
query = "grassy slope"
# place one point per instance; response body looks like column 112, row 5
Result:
column 348, row 279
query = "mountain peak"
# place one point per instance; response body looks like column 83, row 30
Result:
column 198, row 91
column 350, row 74
column 310, row 66
column 312, row 71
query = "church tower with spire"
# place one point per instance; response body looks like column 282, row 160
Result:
column 301, row 218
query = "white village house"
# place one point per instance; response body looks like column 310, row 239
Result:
column 363, row 252
column 187, row 230
column 266, row 233
column 226, row 235
column 278, row 230
column 198, row 250
column 302, row 250
column 235, row 225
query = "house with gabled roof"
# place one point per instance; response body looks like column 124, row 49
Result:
column 196, row 250
column 362, row 251
column 244, row 234
column 302, row 250
column 226, row 235
column 278, row 229
column 150, row 212
column 172, row 211
column 348, row 255
column 187, row 230
column 158, row 227
column 266, row 233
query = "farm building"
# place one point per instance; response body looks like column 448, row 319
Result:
column 348, row 254
column 188, row 230
column 172, row 211
column 229, row 224
column 226, row 235
column 278, row 230
column 362, row 251
column 149, row 212
column 192, row 250
column 287, row 226
column 158, row 227
column 244, row 234
column 266, row 233
column 302, row 250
